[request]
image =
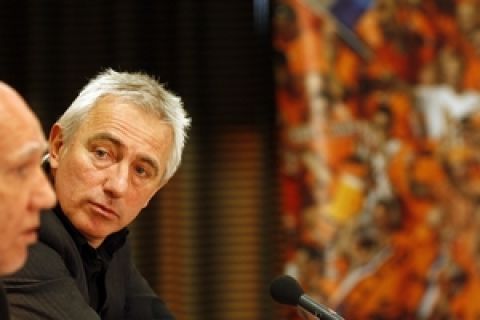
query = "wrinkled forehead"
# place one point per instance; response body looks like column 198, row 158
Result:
column 122, row 115
column 13, row 106
column 109, row 108
column 137, row 101
column 17, row 121
column 9, row 102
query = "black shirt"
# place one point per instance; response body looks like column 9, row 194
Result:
column 95, row 261
column 4, row 315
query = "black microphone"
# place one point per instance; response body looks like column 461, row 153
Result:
column 286, row 290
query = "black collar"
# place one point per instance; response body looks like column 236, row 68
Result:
column 109, row 246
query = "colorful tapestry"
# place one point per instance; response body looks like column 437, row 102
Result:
column 379, row 126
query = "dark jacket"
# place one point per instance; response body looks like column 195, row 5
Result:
column 3, row 304
column 53, row 285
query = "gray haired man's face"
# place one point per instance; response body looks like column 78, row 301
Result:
column 112, row 167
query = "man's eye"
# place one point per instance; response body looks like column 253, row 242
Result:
column 101, row 153
column 141, row 171
column 22, row 171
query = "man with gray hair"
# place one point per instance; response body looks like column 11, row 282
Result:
column 118, row 143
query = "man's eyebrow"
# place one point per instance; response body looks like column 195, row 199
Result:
column 106, row 136
column 30, row 149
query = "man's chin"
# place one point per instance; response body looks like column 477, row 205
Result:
column 92, row 227
column 10, row 263
column 94, row 235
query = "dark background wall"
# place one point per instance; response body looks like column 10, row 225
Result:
column 208, row 242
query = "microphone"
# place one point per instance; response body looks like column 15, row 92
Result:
column 286, row 290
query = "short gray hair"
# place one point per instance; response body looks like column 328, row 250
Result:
column 141, row 90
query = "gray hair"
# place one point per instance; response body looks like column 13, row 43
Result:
column 143, row 91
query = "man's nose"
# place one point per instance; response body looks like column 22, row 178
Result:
column 116, row 183
column 44, row 195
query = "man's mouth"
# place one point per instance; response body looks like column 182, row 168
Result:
column 103, row 210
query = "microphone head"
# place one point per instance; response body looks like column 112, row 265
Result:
column 286, row 290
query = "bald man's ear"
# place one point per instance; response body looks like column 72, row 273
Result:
column 56, row 143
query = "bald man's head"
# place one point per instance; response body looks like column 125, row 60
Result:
column 24, row 188
column 14, row 107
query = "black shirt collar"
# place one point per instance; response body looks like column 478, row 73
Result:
column 109, row 246
column 95, row 261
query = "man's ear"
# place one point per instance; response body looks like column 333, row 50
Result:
column 56, row 143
